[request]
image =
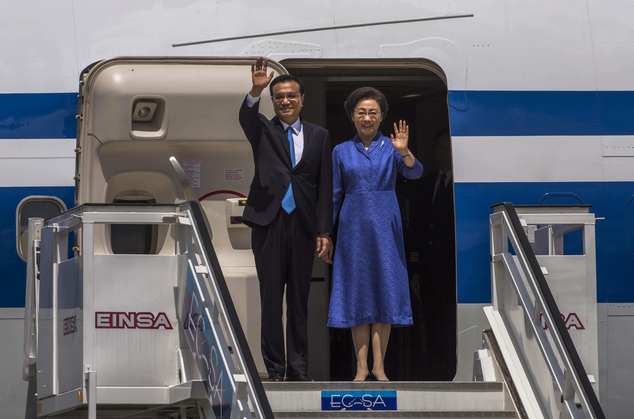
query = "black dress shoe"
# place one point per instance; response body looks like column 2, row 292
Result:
column 275, row 377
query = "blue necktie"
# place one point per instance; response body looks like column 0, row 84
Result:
column 288, row 202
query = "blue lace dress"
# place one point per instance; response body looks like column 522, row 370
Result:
column 370, row 281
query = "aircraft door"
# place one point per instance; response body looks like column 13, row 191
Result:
column 418, row 94
column 136, row 113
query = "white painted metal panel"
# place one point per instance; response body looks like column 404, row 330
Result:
column 134, row 357
column 544, row 46
column 575, row 293
column 620, row 334
column 46, row 320
column 612, row 48
column 564, row 45
column 38, row 52
column 13, row 389
column 470, row 323
column 69, row 326
column 527, row 159
column 47, row 162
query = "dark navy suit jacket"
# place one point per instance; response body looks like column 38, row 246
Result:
column 311, row 177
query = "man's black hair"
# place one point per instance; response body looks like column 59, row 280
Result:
column 284, row 78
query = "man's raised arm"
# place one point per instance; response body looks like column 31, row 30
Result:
column 249, row 109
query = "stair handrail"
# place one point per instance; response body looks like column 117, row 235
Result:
column 203, row 234
column 575, row 379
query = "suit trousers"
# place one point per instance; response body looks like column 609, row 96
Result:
column 284, row 253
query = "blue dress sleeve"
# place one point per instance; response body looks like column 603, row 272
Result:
column 337, row 185
column 414, row 172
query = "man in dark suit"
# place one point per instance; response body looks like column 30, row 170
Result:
column 289, row 209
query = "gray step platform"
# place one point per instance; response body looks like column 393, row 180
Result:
column 445, row 400
column 426, row 415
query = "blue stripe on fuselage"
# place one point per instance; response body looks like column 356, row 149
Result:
column 471, row 113
column 38, row 115
column 12, row 268
column 614, row 235
column 512, row 113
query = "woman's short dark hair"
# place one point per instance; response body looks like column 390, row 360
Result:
column 286, row 78
column 363, row 93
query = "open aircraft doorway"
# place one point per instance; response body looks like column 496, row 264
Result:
column 417, row 92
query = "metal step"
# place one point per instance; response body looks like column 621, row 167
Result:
column 426, row 415
column 413, row 399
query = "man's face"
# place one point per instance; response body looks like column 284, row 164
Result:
column 287, row 101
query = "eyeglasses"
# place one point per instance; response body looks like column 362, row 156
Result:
column 370, row 114
column 291, row 97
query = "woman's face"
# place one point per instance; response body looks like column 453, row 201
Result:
column 367, row 118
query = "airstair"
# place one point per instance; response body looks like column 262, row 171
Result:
column 157, row 336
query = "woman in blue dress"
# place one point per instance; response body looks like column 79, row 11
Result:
column 370, row 289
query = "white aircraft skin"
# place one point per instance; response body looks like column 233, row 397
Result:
column 540, row 99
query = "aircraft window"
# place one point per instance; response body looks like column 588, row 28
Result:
column 30, row 207
column 134, row 239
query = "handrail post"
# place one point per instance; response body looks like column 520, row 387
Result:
column 91, row 393
column 497, row 270
column 30, row 300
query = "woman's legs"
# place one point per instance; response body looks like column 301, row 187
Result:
column 361, row 338
column 380, row 337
